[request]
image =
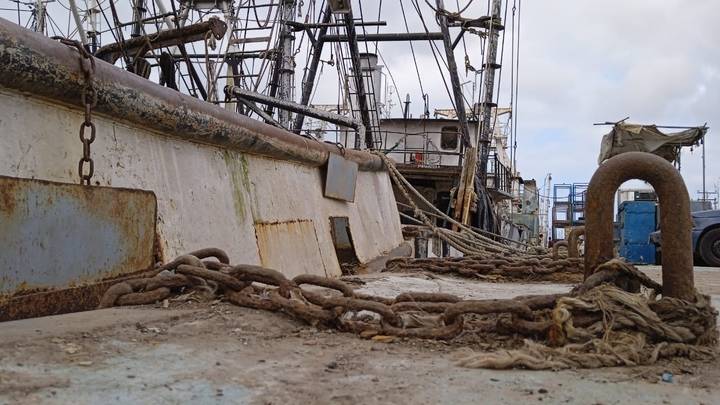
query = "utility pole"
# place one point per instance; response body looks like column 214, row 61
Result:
column 406, row 110
column 287, row 68
column 464, row 190
column 93, row 30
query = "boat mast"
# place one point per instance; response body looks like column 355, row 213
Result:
column 486, row 128
column 309, row 83
column 452, row 68
column 39, row 12
column 463, row 196
column 470, row 162
column 287, row 71
column 357, row 75
column 78, row 21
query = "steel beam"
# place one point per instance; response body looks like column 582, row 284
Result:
column 389, row 37
column 296, row 108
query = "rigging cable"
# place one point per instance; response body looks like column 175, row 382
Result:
column 512, row 85
column 437, row 62
column 392, row 78
column 412, row 50
column 502, row 54
column 435, row 47
column 517, row 80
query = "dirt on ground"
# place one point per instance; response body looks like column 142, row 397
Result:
column 213, row 352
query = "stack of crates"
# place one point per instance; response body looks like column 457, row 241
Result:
column 637, row 219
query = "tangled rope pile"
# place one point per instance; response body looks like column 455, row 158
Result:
column 596, row 324
column 497, row 267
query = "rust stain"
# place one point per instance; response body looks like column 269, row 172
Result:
column 7, row 197
column 45, row 302
column 291, row 247
column 159, row 252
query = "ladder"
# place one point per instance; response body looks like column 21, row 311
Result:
column 367, row 111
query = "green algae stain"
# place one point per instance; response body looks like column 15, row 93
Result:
column 241, row 187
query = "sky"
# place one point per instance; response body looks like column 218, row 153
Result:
column 584, row 61
column 587, row 61
column 581, row 62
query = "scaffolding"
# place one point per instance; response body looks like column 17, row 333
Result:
column 568, row 207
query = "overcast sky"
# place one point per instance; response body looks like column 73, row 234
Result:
column 581, row 61
column 585, row 61
column 589, row 61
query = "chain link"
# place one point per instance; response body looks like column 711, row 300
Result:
column 88, row 97
column 443, row 315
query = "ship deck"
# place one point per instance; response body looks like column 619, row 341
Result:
column 219, row 353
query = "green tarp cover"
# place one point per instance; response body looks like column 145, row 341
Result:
column 647, row 138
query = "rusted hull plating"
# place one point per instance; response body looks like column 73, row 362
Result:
column 675, row 220
column 58, row 235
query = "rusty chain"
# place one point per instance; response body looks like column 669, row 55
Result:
column 496, row 267
column 88, row 98
column 332, row 303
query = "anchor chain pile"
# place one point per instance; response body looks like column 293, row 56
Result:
column 596, row 324
column 496, row 267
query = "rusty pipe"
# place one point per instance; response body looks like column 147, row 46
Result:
column 556, row 248
column 573, row 241
column 675, row 221
column 137, row 47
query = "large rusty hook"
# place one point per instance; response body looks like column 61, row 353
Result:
column 675, row 221
column 556, row 248
column 573, row 241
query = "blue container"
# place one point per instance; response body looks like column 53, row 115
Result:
column 637, row 220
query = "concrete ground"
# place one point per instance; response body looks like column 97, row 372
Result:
column 219, row 353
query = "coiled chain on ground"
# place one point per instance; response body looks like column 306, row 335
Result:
column 332, row 303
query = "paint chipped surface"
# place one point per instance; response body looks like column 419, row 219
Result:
column 56, row 234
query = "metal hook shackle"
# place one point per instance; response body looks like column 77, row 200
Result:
column 675, row 220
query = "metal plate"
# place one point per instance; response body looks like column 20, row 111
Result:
column 58, row 235
column 290, row 247
column 340, row 229
column 341, row 178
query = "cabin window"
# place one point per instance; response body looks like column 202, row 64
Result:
column 449, row 138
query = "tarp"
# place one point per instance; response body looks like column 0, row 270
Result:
column 647, row 138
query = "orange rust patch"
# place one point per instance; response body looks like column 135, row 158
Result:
column 7, row 198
